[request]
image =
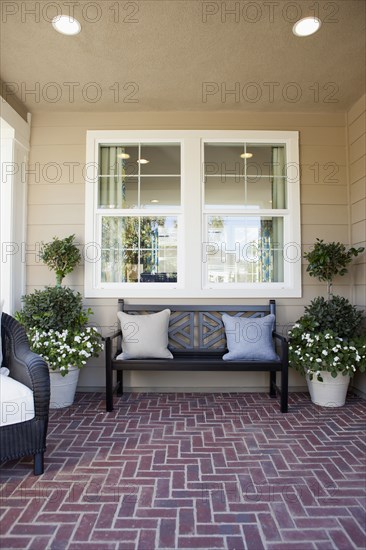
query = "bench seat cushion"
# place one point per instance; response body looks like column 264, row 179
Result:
column 16, row 402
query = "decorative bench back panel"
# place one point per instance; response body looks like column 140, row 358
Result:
column 198, row 327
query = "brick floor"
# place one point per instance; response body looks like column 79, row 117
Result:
column 169, row 471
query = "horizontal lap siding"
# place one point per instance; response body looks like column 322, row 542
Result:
column 356, row 126
column 57, row 208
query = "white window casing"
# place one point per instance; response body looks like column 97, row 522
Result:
column 192, row 217
column 15, row 137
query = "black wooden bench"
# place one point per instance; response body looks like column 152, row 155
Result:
column 197, row 342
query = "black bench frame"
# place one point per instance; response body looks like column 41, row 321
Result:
column 206, row 355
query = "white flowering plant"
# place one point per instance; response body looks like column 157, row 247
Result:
column 312, row 351
column 56, row 325
column 54, row 318
column 63, row 349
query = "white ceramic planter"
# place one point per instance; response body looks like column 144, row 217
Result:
column 331, row 392
column 63, row 388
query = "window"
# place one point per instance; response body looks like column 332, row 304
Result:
column 193, row 214
column 245, row 204
column 138, row 184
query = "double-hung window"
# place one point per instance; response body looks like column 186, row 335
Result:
column 192, row 214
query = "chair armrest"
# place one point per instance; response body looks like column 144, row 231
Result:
column 26, row 367
column 38, row 371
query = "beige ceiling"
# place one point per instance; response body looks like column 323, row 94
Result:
column 175, row 55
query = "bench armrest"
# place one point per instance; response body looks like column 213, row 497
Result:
column 284, row 346
column 113, row 336
column 279, row 336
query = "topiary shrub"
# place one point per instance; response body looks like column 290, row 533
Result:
column 336, row 314
column 56, row 308
column 326, row 260
column 61, row 256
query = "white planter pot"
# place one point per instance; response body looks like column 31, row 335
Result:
column 63, row 388
column 331, row 392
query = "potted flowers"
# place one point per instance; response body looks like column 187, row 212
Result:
column 56, row 324
column 326, row 343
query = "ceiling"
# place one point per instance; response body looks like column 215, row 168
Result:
column 185, row 55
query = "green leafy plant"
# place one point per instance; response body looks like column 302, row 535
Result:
column 336, row 314
column 328, row 336
column 326, row 260
column 53, row 308
column 312, row 352
column 56, row 326
column 55, row 319
column 61, row 256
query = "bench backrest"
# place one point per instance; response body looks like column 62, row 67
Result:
column 198, row 327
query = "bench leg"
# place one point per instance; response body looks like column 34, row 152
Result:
column 272, row 384
column 284, row 389
column 109, row 397
column 108, row 375
column 120, row 382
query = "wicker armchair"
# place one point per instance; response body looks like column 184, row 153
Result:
column 28, row 437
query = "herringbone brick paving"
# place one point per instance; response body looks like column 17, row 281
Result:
column 211, row 471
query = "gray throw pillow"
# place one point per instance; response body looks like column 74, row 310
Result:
column 249, row 338
column 145, row 336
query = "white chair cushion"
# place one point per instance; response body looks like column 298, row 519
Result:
column 16, row 402
column 1, row 348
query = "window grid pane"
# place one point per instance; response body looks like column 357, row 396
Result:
column 139, row 249
column 244, row 249
column 247, row 175
column 139, row 176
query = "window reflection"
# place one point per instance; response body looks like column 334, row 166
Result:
column 245, row 249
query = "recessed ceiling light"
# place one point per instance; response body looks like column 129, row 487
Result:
column 123, row 156
column 154, row 200
column 143, row 161
column 306, row 26
column 246, row 155
column 65, row 24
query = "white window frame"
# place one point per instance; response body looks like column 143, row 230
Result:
column 192, row 214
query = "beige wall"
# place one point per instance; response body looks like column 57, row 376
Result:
column 57, row 209
column 356, row 134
